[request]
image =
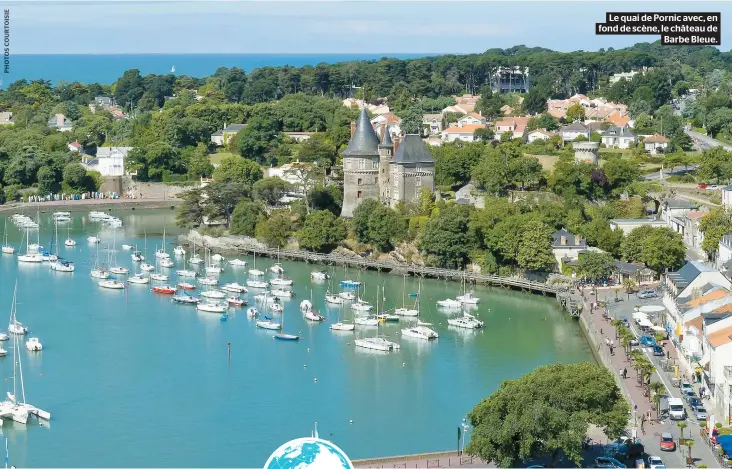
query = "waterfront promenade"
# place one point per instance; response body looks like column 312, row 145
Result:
column 90, row 204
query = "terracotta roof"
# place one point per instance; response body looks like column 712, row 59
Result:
column 720, row 337
column 724, row 308
column 76, row 144
column 466, row 128
column 511, row 121
column 696, row 323
column 618, row 119
column 695, row 215
column 476, row 115
column 656, row 139
column 717, row 294
column 542, row 131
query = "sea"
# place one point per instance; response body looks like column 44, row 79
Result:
column 107, row 68
column 134, row 380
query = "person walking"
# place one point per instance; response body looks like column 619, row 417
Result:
column 643, row 424
column 625, row 373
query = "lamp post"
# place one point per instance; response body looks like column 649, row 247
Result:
column 465, row 427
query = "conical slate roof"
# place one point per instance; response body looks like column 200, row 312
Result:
column 386, row 139
column 412, row 150
column 364, row 141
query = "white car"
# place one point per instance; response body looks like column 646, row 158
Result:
column 654, row 462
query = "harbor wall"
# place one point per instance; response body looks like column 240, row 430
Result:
column 106, row 205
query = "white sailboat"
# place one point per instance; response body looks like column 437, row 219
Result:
column 342, row 326
column 310, row 314
column 376, row 342
column 15, row 327
column 186, row 272
column 195, row 258
column 32, row 255
column 160, row 253
column 277, row 267
column 254, row 272
column 421, row 330
column 69, row 242
column 179, row 251
column 60, row 265
column 98, row 271
column 6, row 248
column 467, row 298
column 114, row 267
column 404, row 311
column 268, row 324
column 237, row 263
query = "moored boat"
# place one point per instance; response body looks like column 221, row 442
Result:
column 138, row 279
column 33, row 344
column 164, row 289
column 111, row 284
column 186, row 286
column 234, row 288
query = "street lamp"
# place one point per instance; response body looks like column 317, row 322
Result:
column 465, row 427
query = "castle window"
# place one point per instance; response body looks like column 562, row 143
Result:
column 376, row 180
column 361, row 164
column 359, row 194
column 360, row 181
column 418, row 180
column 375, row 165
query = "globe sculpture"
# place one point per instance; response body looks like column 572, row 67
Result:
column 311, row 453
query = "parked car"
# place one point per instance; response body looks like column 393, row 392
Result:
column 658, row 351
column 700, row 412
column 644, row 294
column 606, row 462
column 667, row 442
column 714, row 187
column 701, row 186
column 648, row 341
column 686, row 386
column 625, row 321
column 654, row 462
column 693, row 402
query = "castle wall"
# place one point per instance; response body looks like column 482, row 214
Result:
column 360, row 182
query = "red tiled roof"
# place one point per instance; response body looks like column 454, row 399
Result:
column 656, row 139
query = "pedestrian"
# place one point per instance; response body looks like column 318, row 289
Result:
column 643, row 424
column 607, row 341
column 612, row 350
column 611, row 343
column 649, row 417
column 701, row 392
column 668, row 355
column 625, row 372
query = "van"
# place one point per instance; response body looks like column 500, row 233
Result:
column 676, row 409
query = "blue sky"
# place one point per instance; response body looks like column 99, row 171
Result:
column 346, row 26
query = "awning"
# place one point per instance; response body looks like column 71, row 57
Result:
column 651, row 309
column 703, row 362
column 658, row 329
column 645, row 323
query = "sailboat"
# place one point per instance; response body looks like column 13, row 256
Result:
column 404, row 311
column 160, row 253
column 69, row 242
column 254, row 272
column 114, row 268
column 15, row 327
column 421, row 330
column 195, row 258
column 277, row 267
column 10, row 408
column 310, row 314
column 282, row 335
column 267, row 322
column 368, row 321
column 467, row 298
column 212, row 266
column 145, row 266
column 31, row 255
column 342, row 326
column 7, row 249
column 376, row 342
column 361, row 304
column 59, row 265
column 160, row 277
column 172, row 69
column 98, row 271
column 185, row 272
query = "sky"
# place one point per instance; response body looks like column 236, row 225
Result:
column 336, row 26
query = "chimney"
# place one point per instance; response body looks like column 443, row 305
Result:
column 353, row 128
column 383, row 129
column 397, row 139
column 564, row 240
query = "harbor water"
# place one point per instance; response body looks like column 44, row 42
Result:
column 134, row 380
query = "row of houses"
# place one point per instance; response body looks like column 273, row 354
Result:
column 596, row 109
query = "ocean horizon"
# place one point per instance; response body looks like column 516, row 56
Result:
column 105, row 69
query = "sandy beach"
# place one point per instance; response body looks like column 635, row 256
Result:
column 108, row 205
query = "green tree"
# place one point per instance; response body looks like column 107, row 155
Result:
column 620, row 173
column 412, row 120
column 484, row 134
column 257, row 139
column 234, row 169
column 74, row 175
column 663, row 250
column 275, row 230
column 598, row 233
column 321, row 232
column 190, row 211
column 386, row 228
column 360, row 220
column 546, row 413
column 714, row 225
column 575, row 112
column 47, row 180
column 245, row 217
column 631, row 247
column 426, row 202
column 199, row 165
column 535, row 247
column 270, row 190
column 596, row 266
column 220, row 199
column 715, row 164
column 447, row 237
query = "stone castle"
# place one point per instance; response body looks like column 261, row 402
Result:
column 390, row 170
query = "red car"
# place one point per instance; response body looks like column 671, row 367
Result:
column 701, row 186
column 667, row 442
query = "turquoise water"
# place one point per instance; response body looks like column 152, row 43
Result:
column 132, row 380
column 107, row 68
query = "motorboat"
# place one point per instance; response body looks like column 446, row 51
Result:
column 377, row 343
column 366, row 321
column 99, row 273
column 3, row 352
column 119, row 270
column 213, row 294
column 281, row 293
column 18, row 328
column 234, row 288
column 319, row 275
column 468, row 299
column 208, row 281
column 350, row 284
column 186, row 299
column 8, row 249
column 33, row 258
column 179, row 251
column 112, row 284
column 214, row 269
column 343, row 326
column 159, row 277
column 347, row 295
column 252, row 312
column 95, row 215
column 384, row 317
column 217, row 258
column 57, row 215
column 306, row 305
column 211, row 307
column 449, row 303
column 237, row 263
column 33, row 344
column 127, row 247
column 277, row 308
column 4, row 337
column 466, row 321
column 268, row 324
column 61, row 266
column 138, row 279
column 69, row 243
column 277, row 269
column 164, row 289
column 186, row 286
column 281, row 282
column 147, row 267
column 236, row 301
column 420, row 332
column 262, row 298
column 137, row 256
column 257, row 284
column 333, row 299
column 186, row 273
column 406, row 312
column 361, row 305
column 93, row 240
column 166, row 263
column 311, row 315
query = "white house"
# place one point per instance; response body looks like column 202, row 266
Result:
column 716, row 360
column 75, row 146
column 673, row 211
column 727, row 196
column 223, row 136
column 389, row 120
column 6, row 118
column 472, row 118
column 294, row 173
column 576, row 129
column 629, row 224
column 60, row 123
column 464, row 132
column 299, row 137
column 539, row 134
column 618, row 137
column 109, row 161
column 566, row 245
column 656, row 144
column 724, row 251
column 515, row 125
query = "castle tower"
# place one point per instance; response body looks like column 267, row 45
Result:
column 360, row 165
column 585, row 152
column 386, row 151
column 412, row 169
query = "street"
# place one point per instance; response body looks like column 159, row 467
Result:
column 706, row 142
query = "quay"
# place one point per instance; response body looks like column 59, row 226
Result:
column 83, row 205
column 441, row 459
column 230, row 244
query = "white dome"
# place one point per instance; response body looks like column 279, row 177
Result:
column 312, row 453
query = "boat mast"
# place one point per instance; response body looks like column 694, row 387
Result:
column 15, row 341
